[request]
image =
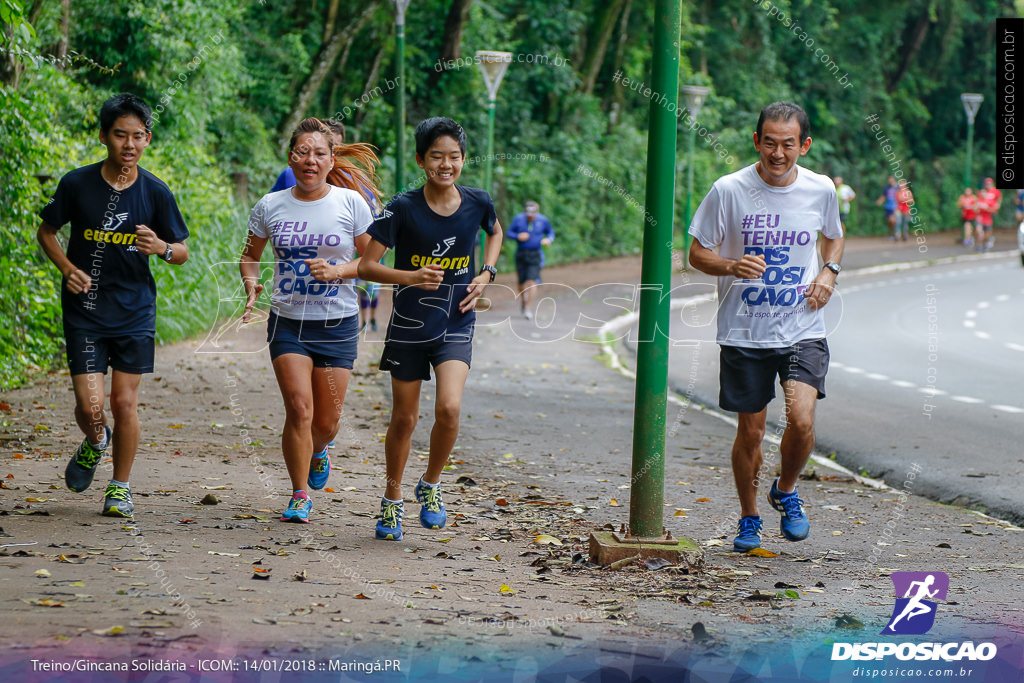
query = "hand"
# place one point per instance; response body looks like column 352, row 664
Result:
column 820, row 290
column 428, row 277
column 523, row 236
column 545, row 242
column 78, row 282
column 148, row 243
column 473, row 292
column 750, row 267
column 321, row 270
column 252, row 293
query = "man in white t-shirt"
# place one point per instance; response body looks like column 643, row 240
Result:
column 765, row 220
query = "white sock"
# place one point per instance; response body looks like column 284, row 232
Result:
column 102, row 444
column 122, row 484
column 388, row 500
column 433, row 486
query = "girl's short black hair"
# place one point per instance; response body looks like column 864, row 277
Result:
column 125, row 104
column 436, row 127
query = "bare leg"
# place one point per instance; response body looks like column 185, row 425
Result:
column 747, row 458
column 124, row 404
column 89, row 399
column 329, row 387
column 295, row 379
column 451, row 380
column 798, row 439
column 404, row 416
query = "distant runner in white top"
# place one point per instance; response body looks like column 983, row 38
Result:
column 765, row 221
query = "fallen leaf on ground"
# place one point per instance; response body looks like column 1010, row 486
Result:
column 112, row 631
column 703, row 500
column 544, row 539
column 614, row 502
column 505, row 589
column 42, row 574
column 761, row 552
column 45, row 602
column 847, row 621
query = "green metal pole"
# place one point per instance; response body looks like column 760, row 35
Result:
column 400, row 108
column 648, row 480
column 689, row 199
column 489, row 165
column 970, row 146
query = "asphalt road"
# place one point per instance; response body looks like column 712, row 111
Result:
column 927, row 374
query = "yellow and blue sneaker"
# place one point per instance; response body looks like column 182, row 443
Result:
column 79, row 472
column 389, row 526
column 432, row 514
column 319, row 469
column 298, row 509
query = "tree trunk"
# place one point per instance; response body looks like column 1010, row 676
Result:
column 451, row 40
column 618, row 95
column 339, row 42
column 913, row 47
column 371, row 81
column 65, row 28
column 332, row 18
column 598, row 44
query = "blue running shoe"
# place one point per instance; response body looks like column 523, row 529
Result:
column 298, row 509
column 389, row 526
column 795, row 525
column 117, row 501
column 319, row 469
column 432, row 514
column 79, row 472
column 748, row 534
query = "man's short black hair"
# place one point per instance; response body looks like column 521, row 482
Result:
column 125, row 104
column 784, row 111
column 436, row 127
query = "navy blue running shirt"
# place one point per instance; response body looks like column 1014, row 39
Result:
column 122, row 300
column 421, row 237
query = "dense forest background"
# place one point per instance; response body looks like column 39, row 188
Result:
column 229, row 81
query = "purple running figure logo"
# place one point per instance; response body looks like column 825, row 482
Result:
column 914, row 613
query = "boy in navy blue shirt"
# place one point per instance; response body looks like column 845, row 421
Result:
column 120, row 215
column 432, row 230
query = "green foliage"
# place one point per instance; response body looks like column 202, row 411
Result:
column 224, row 77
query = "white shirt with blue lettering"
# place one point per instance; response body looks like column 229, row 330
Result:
column 742, row 214
column 325, row 228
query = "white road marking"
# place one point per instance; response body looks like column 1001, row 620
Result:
column 1015, row 347
column 1008, row 409
column 971, row 314
column 966, row 399
column 968, row 323
column 982, row 335
column 902, row 383
column 875, row 375
column 1003, row 297
column 983, row 304
column 854, row 371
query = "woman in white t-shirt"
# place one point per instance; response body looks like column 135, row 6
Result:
column 315, row 230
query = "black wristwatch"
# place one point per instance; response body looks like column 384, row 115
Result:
column 490, row 269
column 169, row 254
column 834, row 267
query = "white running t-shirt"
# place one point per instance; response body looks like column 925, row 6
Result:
column 743, row 214
column 325, row 228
